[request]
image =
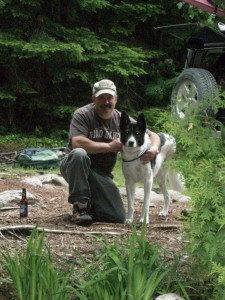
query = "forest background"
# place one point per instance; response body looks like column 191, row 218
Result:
column 53, row 51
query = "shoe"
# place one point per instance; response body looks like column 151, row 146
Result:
column 81, row 214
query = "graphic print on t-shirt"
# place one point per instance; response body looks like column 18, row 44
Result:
column 103, row 134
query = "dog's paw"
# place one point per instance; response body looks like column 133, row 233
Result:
column 142, row 221
column 163, row 214
column 129, row 221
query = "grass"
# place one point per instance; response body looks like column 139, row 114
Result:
column 17, row 142
column 7, row 144
column 131, row 270
column 127, row 269
column 33, row 275
column 118, row 173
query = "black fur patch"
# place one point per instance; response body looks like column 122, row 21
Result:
column 128, row 129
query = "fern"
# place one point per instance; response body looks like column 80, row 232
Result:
column 201, row 159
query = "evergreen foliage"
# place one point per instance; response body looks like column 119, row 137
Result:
column 53, row 51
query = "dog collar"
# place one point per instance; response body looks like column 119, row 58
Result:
column 140, row 155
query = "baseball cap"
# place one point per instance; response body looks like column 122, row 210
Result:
column 104, row 86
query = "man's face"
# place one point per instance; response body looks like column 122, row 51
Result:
column 104, row 105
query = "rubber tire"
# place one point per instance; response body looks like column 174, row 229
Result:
column 197, row 83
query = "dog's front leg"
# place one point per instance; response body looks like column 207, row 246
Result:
column 130, row 188
column 145, row 208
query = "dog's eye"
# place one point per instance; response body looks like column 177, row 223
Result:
column 137, row 132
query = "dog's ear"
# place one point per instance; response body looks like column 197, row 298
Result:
column 124, row 120
column 141, row 122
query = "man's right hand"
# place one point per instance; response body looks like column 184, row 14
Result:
column 115, row 146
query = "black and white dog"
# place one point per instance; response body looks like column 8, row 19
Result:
column 135, row 142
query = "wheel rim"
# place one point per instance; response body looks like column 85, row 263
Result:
column 187, row 96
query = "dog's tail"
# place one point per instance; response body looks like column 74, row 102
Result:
column 176, row 181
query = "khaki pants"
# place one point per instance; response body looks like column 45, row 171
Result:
column 84, row 182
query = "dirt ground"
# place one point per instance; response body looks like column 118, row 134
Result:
column 53, row 207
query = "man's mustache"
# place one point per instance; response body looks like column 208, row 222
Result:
column 109, row 105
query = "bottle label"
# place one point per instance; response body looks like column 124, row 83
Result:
column 23, row 210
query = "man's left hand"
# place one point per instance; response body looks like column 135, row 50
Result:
column 149, row 155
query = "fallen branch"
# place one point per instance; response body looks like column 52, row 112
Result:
column 8, row 208
column 166, row 226
column 16, row 236
column 104, row 226
column 9, row 153
column 55, row 231
column 2, row 236
column 4, row 158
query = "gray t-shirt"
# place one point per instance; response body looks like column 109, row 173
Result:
column 87, row 123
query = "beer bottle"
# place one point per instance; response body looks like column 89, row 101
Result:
column 23, row 204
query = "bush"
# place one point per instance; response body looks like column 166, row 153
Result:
column 201, row 159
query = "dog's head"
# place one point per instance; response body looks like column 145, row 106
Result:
column 132, row 134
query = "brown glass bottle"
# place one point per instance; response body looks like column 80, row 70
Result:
column 23, row 204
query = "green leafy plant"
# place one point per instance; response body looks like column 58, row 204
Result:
column 134, row 270
column 201, row 159
column 33, row 274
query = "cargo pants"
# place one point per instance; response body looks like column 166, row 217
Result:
column 84, row 182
